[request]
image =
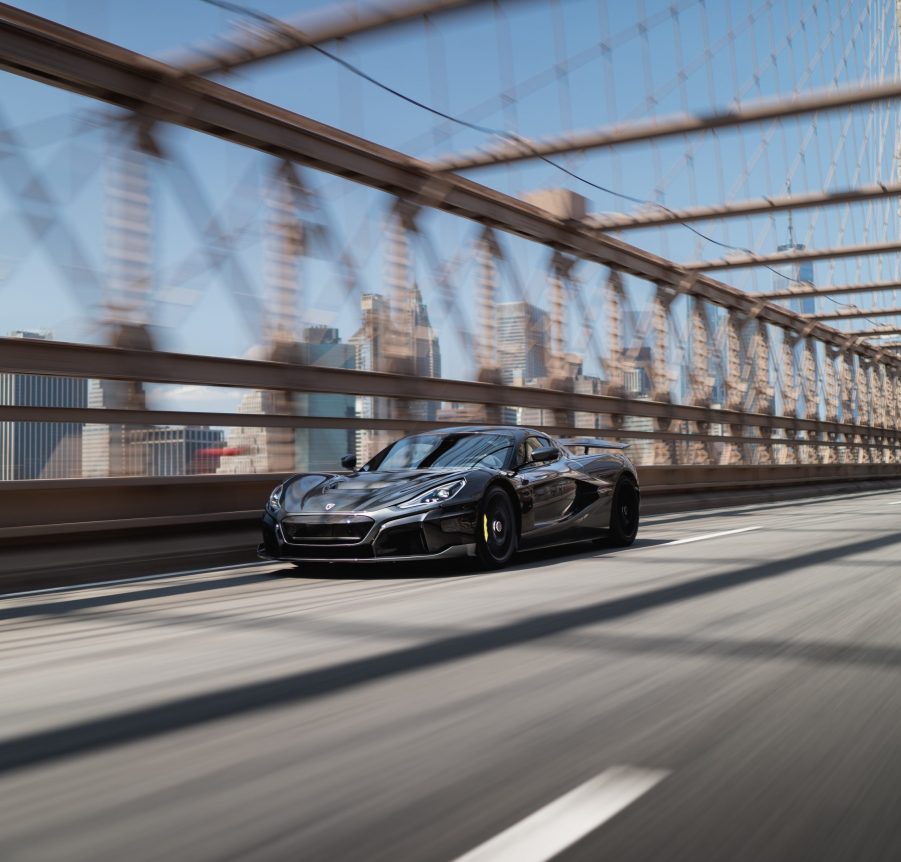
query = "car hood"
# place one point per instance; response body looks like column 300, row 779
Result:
column 359, row 492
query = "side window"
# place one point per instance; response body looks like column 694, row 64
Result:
column 531, row 444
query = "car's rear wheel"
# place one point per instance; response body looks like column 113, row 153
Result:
column 624, row 513
column 496, row 537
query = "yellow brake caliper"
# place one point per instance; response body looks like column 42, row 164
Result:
column 485, row 526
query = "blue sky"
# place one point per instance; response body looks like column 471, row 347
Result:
column 574, row 63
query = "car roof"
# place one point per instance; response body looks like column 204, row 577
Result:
column 481, row 429
column 517, row 432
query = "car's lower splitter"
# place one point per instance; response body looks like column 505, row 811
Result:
column 452, row 552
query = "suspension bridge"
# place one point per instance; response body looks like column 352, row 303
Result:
column 242, row 240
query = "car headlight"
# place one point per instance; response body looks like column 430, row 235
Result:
column 435, row 495
column 273, row 504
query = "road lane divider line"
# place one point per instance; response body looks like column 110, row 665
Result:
column 711, row 536
column 558, row 825
column 894, row 502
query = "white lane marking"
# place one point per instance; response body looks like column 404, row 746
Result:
column 894, row 502
column 561, row 823
column 666, row 517
column 711, row 536
column 70, row 588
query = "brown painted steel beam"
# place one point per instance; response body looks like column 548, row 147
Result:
column 680, row 124
column 854, row 313
column 740, row 261
column 828, row 290
column 37, row 356
column 876, row 331
column 331, row 23
column 655, row 216
column 194, row 419
column 57, row 55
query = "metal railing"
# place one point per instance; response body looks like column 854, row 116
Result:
column 728, row 437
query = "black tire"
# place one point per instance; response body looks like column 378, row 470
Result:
column 624, row 513
column 496, row 533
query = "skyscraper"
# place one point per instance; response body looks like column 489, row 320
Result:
column 411, row 335
column 323, row 448
column 522, row 341
column 40, row 450
column 105, row 448
column 170, row 451
column 263, row 450
column 255, row 450
column 795, row 275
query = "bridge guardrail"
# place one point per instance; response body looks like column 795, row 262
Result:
column 55, row 510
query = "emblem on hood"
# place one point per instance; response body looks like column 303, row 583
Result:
column 329, row 507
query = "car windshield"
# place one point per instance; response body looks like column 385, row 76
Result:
column 445, row 451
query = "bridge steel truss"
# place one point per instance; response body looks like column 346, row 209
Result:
column 840, row 396
column 658, row 216
column 668, row 127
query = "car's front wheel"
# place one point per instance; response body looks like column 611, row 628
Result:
column 624, row 514
column 496, row 537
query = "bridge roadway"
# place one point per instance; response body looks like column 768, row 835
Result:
column 746, row 683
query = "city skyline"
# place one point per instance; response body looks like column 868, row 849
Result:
column 40, row 450
column 391, row 332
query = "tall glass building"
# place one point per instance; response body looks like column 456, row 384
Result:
column 796, row 274
column 522, row 341
column 40, row 450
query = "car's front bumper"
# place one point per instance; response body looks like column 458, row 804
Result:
column 438, row 533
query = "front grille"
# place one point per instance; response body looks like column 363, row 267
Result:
column 326, row 529
column 405, row 541
column 327, row 553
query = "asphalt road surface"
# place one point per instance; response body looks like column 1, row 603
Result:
column 729, row 688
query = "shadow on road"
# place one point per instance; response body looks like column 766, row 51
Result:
column 454, row 568
column 337, row 571
column 146, row 722
column 128, row 595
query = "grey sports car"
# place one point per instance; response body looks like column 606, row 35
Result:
column 480, row 491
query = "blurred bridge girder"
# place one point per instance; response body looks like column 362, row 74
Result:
column 877, row 330
column 43, row 216
column 700, row 337
column 287, row 244
column 802, row 290
column 489, row 254
column 739, row 261
column 215, row 246
column 615, row 300
column 667, row 127
column 855, row 313
column 108, row 363
column 59, row 56
column 329, row 24
column 659, row 216
column 130, row 417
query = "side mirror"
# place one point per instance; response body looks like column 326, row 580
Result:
column 545, row 453
column 349, row 462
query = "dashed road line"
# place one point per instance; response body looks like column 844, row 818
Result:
column 561, row 823
column 711, row 536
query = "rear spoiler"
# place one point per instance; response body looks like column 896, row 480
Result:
column 591, row 443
